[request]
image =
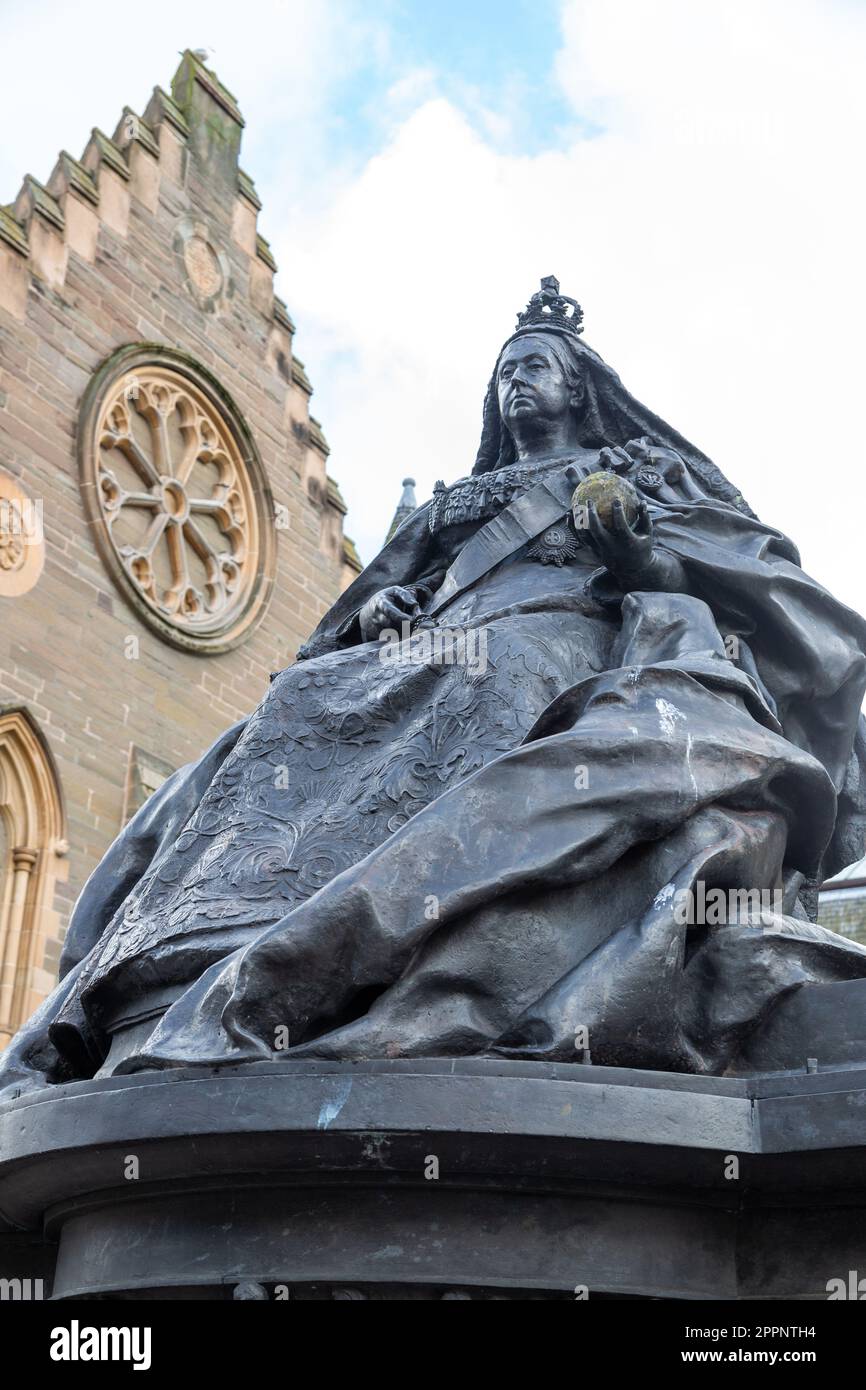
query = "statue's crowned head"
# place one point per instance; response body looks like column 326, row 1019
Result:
column 538, row 376
column 545, row 372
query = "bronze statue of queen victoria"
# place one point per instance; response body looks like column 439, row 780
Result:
column 426, row 856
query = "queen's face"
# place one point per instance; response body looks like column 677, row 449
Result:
column 531, row 385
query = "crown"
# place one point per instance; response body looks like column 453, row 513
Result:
column 549, row 309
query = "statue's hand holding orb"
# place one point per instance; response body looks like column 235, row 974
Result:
column 617, row 519
column 599, row 493
column 541, row 394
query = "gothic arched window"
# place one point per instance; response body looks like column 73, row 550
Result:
column 32, row 846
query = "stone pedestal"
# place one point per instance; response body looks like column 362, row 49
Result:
column 435, row 1179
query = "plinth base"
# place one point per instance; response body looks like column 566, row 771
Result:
column 435, row 1179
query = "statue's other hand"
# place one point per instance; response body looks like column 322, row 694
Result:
column 625, row 549
column 387, row 609
column 645, row 452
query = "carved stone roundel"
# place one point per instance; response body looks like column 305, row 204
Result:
column 180, row 504
column 203, row 266
column 22, row 544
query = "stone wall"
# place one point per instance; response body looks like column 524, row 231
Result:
column 843, row 910
column 150, row 238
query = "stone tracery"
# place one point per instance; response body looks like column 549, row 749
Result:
column 183, row 521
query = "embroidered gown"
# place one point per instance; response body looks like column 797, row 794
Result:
column 411, row 856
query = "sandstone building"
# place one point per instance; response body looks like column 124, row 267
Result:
column 168, row 531
column 842, row 904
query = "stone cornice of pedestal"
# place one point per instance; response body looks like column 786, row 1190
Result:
column 548, row 1176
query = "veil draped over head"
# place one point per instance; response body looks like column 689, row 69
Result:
column 610, row 415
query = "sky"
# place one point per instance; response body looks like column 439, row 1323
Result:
column 691, row 170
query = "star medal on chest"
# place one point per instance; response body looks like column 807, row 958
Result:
column 558, row 545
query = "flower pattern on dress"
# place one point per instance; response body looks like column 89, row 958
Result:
column 342, row 751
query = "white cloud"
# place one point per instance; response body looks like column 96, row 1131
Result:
column 713, row 231
column 713, row 234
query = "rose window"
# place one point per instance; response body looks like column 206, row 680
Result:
column 181, row 505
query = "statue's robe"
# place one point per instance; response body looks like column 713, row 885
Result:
column 412, row 857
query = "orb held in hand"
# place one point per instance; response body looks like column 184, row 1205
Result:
column 600, row 490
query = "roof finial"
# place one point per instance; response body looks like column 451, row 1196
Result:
column 405, row 507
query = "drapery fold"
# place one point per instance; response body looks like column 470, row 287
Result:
column 553, row 895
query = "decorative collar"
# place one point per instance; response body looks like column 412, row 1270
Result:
column 481, row 497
